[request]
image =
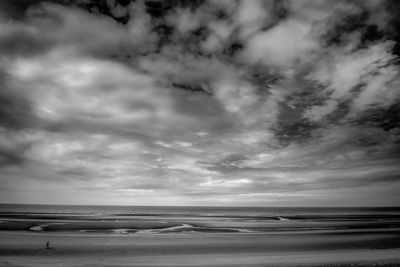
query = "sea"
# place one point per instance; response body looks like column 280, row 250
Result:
column 93, row 219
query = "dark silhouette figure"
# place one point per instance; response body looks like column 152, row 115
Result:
column 48, row 245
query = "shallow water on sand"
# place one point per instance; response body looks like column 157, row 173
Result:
column 197, row 236
column 128, row 220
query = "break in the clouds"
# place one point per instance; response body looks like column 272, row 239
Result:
column 200, row 102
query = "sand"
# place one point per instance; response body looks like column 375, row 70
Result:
column 177, row 240
column 198, row 249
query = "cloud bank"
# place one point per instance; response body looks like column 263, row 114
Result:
column 266, row 103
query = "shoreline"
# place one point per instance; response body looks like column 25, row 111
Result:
column 218, row 238
column 28, row 249
column 390, row 257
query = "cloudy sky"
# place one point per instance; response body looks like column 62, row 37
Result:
column 249, row 103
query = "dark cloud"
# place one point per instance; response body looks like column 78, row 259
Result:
column 22, row 42
column 79, row 173
column 16, row 9
column 16, row 109
column 193, row 87
column 11, row 157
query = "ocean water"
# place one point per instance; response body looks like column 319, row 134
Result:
column 166, row 219
column 200, row 211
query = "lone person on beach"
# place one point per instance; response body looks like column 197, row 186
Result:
column 48, row 245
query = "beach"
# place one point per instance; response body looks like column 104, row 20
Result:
column 199, row 133
column 195, row 250
column 176, row 237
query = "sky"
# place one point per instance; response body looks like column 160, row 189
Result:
column 216, row 103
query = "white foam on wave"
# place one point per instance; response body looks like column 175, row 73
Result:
column 238, row 230
column 245, row 231
column 87, row 231
column 121, row 231
column 172, row 228
column 177, row 227
column 283, row 219
column 38, row 228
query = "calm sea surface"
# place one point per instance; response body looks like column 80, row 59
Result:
column 198, row 211
column 166, row 219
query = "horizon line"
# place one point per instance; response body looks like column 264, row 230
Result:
column 216, row 206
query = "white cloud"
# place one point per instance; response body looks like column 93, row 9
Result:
column 368, row 69
column 282, row 46
column 381, row 90
column 75, row 87
column 185, row 20
column 235, row 95
column 252, row 16
column 72, row 26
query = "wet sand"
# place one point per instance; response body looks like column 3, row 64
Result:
column 176, row 239
column 194, row 249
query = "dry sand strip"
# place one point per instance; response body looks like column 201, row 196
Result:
column 28, row 249
column 385, row 258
